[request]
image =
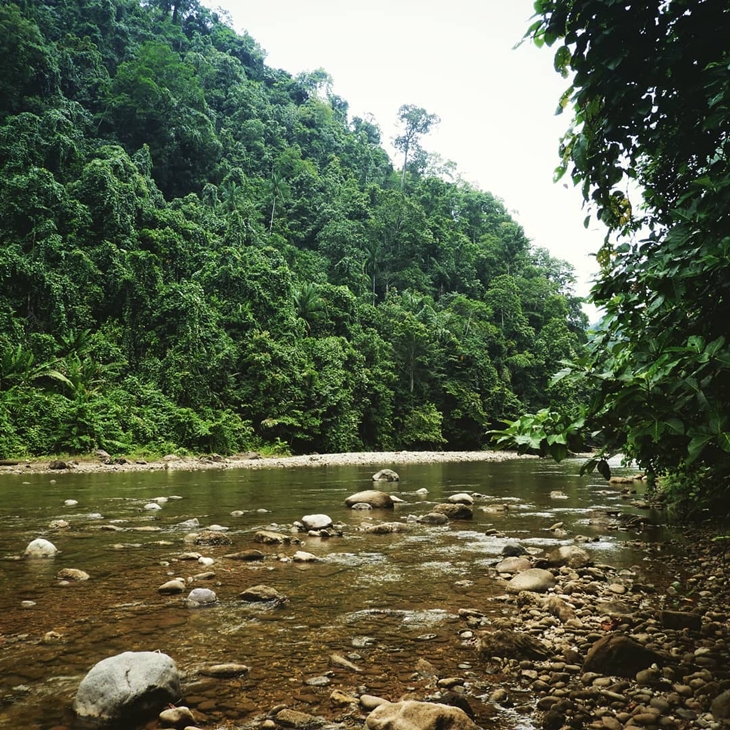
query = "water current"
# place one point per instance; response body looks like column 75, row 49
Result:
column 381, row 601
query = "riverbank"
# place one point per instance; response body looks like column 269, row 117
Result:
column 253, row 460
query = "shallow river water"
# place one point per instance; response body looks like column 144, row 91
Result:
column 384, row 601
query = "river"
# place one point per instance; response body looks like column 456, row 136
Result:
column 382, row 601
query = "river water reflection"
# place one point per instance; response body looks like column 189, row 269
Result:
column 385, row 601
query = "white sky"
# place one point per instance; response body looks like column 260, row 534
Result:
column 455, row 59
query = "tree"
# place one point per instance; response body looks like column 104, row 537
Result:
column 415, row 122
column 648, row 144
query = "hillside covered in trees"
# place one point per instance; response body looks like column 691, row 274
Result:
column 198, row 251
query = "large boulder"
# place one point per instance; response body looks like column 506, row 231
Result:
column 126, row 686
column 373, row 497
column 40, row 548
column 534, row 579
column 413, row 715
column 619, row 655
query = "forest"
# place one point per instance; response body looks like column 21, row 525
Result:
column 203, row 253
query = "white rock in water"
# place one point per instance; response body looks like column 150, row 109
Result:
column 160, row 500
column 126, row 685
column 70, row 503
column 300, row 556
column 201, row 597
column 316, row 522
column 191, row 524
column 152, row 506
column 219, row 528
column 461, row 498
column 95, row 516
column 206, row 561
column 40, row 548
column 422, row 490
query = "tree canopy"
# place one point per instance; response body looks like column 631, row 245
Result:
column 201, row 252
column 648, row 144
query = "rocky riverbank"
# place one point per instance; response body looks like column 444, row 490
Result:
column 252, row 460
column 571, row 642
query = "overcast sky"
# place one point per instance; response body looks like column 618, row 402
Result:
column 457, row 59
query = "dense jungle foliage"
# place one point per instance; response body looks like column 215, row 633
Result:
column 649, row 147
column 202, row 252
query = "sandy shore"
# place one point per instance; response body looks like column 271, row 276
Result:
column 380, row 459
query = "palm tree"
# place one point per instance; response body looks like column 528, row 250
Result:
column 308, row 304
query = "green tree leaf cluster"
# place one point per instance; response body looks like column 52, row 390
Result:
column 649, row 88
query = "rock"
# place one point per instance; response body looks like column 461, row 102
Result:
column 211, row 537
column 513, row 565
column 248, row 555
column 373, row 497
column 370, row 702
column 386, row 475
column 618, row 654
column 70, row 502
column 433, row 518
column 301, row 556
column 172, row 587
column 535, row 579
column 413, row 715
column 152, row 506
column 189, row 556
column 679, row 620
column 102, row 455
column 40, row 548
column 200, row 597
column 295, row 719
column 127, row 686
column 177, row 717
column 225, row 670
column 57, row 465
column 557, row 494
column 339, row 661
column 510, row 645
column 267, row 537
column 461, row 498
column 72, row 574
column 341, row 699
column 192, row 524
column 261, row 594
column 316, row 522
column 58, row 525
column 720, row 707
column 454, row 511
column 570, row 555
column 513, row 551
column 385, row 528
column 559, row 608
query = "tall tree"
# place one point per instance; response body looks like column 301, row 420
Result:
column 415, row 122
